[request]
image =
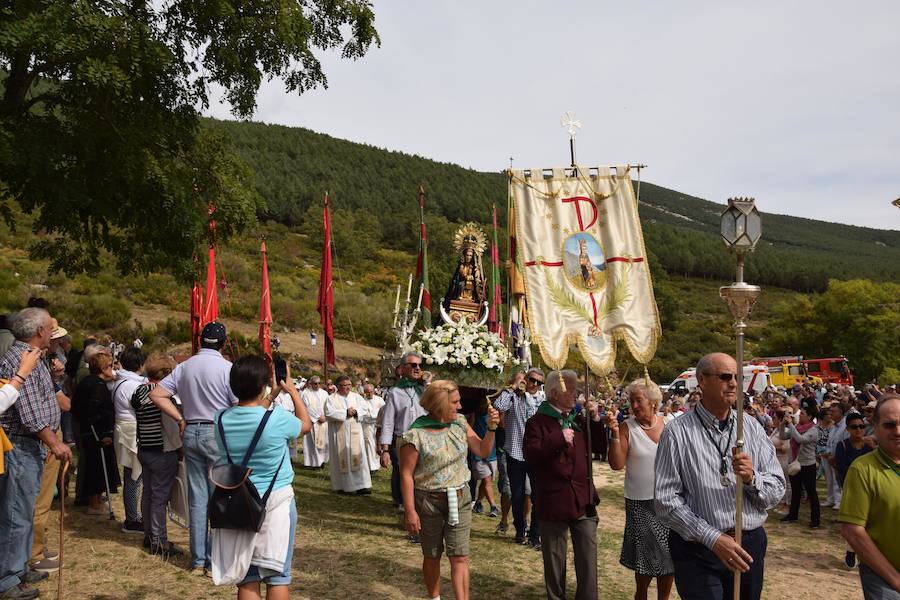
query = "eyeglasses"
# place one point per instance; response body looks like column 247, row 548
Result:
column 726, row 377
column 856, row 427
column 535, row 381
column 414, row 366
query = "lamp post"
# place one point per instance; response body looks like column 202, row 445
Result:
column 741, row 228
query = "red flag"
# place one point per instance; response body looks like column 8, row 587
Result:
column 265, row 310
column 196, row 316
column 325, row 303
column 211, row 305
column 494, row 314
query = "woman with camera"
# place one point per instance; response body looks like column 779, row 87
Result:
column 645, row 545
column 248, row 557
column 804, row 436
column 434, row 479
column 783, row 453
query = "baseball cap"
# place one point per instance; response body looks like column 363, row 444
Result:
column 213, row 333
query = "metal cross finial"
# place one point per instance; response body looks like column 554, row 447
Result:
column 570, row 123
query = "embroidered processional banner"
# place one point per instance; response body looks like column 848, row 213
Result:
column 581, row 251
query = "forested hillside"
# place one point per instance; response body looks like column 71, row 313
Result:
column 375, row 234
column 374, row 194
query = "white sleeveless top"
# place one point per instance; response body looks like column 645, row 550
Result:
column 639, row 469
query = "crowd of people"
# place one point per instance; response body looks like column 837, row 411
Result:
column 140, row 422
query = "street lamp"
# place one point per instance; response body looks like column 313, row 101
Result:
column 741, row 229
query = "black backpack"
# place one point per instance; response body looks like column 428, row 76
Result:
column 235, row 502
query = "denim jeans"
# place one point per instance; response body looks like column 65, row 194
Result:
column 517, row 470
column 200, row 454
column 19, row 488
column 874, row 587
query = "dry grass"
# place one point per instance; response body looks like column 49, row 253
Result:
column 352, row 547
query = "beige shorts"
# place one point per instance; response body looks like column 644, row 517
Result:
column 435, row 532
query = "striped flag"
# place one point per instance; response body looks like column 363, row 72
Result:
column 495, row 319
column 422, row 263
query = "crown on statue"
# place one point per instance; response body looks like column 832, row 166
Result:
column 470, row 237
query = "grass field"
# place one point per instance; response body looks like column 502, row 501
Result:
column 351, row 547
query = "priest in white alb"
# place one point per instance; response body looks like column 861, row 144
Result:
column 375, row 404
column 315, row 443
column 345, row 411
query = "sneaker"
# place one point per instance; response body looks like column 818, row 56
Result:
column 45, row 565
column 534, row 544
column 20, row 592
column 495, row 512
column 199, row 571
column 32, row 576
column 413, row 539
column 133, row 527
column 502, row 528
column 520, row 540
column 477, row 508
column 51, row 554
column 850, row 559
column 815, row 526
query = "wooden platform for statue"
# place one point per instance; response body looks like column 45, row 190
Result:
column 464, row 311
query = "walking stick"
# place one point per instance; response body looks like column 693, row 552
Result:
column 62, row 521
column 112, row 517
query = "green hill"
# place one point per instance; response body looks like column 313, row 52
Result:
column 295, row 166
column 375, row 222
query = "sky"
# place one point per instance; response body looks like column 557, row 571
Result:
column 794, row 103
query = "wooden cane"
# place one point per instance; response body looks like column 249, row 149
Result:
column 62, row 520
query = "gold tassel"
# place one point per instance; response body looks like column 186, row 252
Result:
column 562, row 381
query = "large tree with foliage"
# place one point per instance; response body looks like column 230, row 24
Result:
column 100, row 134
column 859, row 319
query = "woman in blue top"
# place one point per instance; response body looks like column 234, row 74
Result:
column 247, row 557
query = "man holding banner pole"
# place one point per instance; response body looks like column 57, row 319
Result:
column 697, row 467
column 555, row 446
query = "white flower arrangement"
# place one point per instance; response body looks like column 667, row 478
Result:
column 463, row 345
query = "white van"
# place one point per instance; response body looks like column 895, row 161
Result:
column 756, row 378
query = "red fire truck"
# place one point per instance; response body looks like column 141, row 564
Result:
column 829, row 370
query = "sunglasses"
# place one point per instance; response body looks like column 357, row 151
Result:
column 856, row 427
column 414, row 366
column 535, row 381
column 726, row 377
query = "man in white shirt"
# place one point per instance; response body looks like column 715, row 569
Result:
column 202, row 384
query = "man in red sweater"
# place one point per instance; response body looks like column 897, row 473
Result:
column 556, row 447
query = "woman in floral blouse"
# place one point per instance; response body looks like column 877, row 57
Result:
column 434, row 479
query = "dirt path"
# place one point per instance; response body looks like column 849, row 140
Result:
column 291, row 343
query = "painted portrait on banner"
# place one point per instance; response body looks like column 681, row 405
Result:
column 584, row 261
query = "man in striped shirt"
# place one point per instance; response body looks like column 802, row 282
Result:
column 517, row 408
column 696, row 471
